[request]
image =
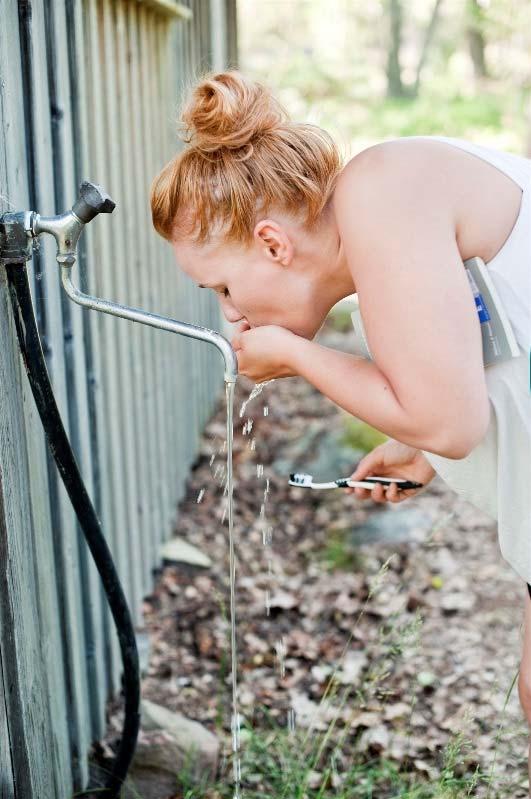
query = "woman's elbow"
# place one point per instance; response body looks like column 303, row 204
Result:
column 459, row 437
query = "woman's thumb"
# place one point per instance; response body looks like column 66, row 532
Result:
column 363, row 468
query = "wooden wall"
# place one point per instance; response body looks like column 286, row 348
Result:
column 89, row 89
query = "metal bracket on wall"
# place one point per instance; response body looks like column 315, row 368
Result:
column 170, row 8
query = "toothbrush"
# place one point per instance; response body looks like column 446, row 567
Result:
column 306, row 481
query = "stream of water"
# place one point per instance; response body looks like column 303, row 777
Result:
column 235, row 720
column 267, row 534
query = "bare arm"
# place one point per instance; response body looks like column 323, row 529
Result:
column 360, row 387
column 398, row 232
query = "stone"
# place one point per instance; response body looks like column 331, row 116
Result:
column 393, row 524
column 177, row 550
column 333, row 458
column 375, row 738
column 457, row 601
column 351, row 667
column 170, row 743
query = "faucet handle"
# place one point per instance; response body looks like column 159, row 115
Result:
column 92, row 200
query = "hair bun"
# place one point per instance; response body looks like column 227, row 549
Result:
column 226, row 109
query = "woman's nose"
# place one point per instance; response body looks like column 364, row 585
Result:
column 232, row 316
column 231, row 313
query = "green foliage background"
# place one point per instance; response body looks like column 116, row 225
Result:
column 326, row 61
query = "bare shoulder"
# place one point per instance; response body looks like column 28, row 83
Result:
column 401, row 162
column 400, row 151
column 428, row 177
column 388, row 183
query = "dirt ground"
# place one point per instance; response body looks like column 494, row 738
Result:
column 441, row 587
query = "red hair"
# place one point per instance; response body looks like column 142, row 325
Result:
column 244, row 157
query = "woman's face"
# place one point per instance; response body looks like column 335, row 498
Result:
column 284, row 278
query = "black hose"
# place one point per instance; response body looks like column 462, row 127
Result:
column 31, row 349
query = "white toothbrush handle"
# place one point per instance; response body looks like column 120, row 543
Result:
column 360, row 484
column 350, row 483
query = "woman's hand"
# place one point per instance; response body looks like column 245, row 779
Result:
column 263, row 352
column 392, row 459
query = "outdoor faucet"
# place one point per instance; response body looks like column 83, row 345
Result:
column 19, row 232
column 66, row 228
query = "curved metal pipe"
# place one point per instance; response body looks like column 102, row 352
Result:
column 155, row 320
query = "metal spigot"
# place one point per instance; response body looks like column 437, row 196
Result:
column 17, row 230
column 66, row 228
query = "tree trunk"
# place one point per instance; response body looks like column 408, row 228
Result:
column 476, row 39
column 426, row 45
column 395, row 87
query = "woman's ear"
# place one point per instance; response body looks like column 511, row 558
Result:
column 278, row 244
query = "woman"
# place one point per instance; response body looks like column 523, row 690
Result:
column 262, row 211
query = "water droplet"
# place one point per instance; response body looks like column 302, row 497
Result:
column 247, row 427
column 200, row 495
column 266, row 410
column 258, row 388
column 259, row 469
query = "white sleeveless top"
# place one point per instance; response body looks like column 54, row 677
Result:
column 510, row 269
column 496, row 475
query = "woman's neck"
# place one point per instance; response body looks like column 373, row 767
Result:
column 338, row 278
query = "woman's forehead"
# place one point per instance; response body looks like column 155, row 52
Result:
column 197, row 260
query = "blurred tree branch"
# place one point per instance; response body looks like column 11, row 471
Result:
column 395, row 85
column 475, row 22
column 428, row 38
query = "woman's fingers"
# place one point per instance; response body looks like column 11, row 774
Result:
column 378, row 493
column 364, row 467
column 393, row 493
column 238, row 328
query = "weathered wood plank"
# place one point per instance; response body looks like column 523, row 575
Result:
column 153, row 368
column 133, row 266
column 21, row 438
column 173, row 77
column 139, row 268
column 165, row 97
column 7, row 790
column 100, row 257
column 117, row 280
column 67, row 184
column 81, row 33
column 155, row 106
column 123, row 266
column 47, row 298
